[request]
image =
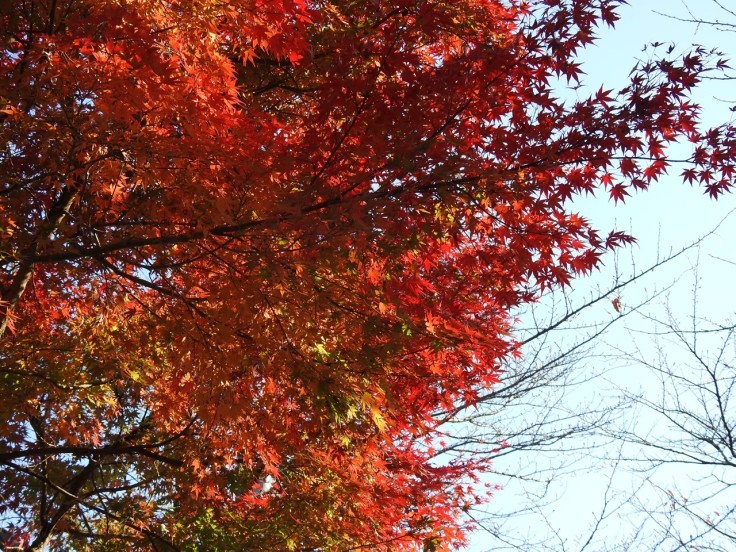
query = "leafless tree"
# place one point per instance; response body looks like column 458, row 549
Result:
column 686, row 449
column 649, row 419
column 724, row 18
column 546, row 420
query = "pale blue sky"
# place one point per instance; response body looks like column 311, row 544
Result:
column 667, row 217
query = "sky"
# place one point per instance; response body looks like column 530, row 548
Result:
column 664, row 219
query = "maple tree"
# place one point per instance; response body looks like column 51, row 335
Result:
column 250, row 248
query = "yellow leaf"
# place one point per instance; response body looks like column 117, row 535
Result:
column 378, row 419
column 369, row 402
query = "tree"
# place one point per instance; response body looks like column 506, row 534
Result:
column 697, row 18
column 249, row 249
column 677, row 437
column 551, row 419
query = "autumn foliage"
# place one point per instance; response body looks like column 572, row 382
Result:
column 250, row 249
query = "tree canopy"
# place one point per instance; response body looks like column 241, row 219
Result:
column 250, row 249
